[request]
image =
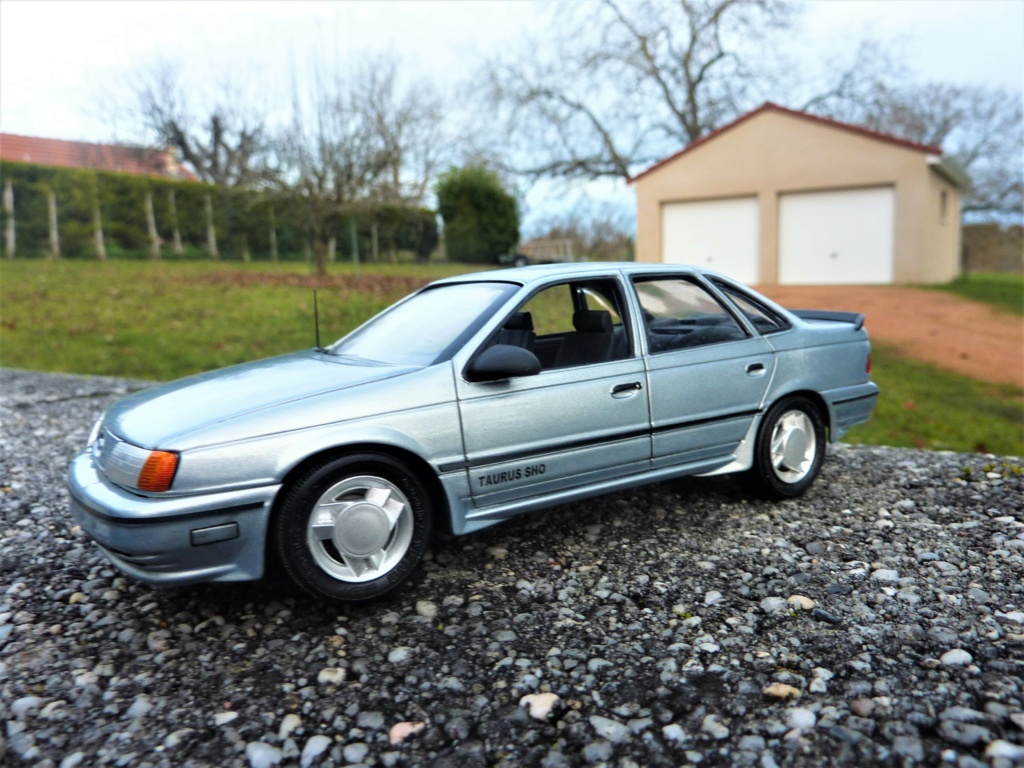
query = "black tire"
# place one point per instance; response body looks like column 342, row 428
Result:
column 790, row 449
column 385, row 531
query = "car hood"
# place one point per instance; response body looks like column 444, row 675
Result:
column 155, row 417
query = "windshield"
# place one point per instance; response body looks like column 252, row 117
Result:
column 428, row 327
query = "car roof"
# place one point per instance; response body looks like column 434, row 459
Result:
column 546, row 272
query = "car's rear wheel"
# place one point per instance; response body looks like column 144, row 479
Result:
column 790, row 449
column 353, row 528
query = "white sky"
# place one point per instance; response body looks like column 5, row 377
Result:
column 59, row 59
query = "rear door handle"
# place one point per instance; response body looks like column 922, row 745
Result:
column 618, row 389
column 755, row 369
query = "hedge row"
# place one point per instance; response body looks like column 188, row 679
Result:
column 246, row 223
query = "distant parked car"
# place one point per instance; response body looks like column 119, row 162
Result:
column 471, row 401
column 551, row 251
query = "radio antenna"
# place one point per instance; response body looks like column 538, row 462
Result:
column 316, row 322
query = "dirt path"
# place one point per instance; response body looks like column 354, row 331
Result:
column 931, row 326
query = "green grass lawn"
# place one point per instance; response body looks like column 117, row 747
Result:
column 169, row 319
column 1002, row 290
column 921, row 406
column 166, row 320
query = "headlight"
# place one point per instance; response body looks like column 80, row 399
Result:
column 133, row 467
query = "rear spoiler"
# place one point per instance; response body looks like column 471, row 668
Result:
column 857, row 318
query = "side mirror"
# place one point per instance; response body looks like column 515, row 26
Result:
column 503, row 361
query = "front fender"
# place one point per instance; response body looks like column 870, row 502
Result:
column 430, row 432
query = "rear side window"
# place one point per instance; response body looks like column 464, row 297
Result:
column 679, row 314
column 765, row 320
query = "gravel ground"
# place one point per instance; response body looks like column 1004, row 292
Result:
column 876, row 621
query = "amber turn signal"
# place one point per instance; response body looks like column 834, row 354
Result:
column 158, row 472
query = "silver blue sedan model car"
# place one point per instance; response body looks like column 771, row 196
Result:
column 475, row 399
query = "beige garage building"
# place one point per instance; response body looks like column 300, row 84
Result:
column 784, row 197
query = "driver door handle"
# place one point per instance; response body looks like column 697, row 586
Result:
column 618, row 389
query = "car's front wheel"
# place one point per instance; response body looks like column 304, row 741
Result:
column 790, row 449
column 353, row 528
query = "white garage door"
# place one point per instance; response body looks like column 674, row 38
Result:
column 839, row 237
column 718, row 234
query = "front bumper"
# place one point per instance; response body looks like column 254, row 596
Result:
column 173, row 540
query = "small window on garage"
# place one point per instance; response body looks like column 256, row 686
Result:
column 680, row 314
column 943, row 206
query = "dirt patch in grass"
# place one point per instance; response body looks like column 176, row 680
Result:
column 375, row 284
column 937, row 328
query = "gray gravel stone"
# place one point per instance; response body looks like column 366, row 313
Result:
column 355, row 753
column 714, row 727
column 262, row 755
column 956, row 658
column 609, row 729
column 314, row 747
column 800, row 717
column 774, row 605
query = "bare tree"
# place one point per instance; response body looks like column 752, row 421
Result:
column 409, row 124
column 359, row 141
column 677, row 70
column 625, row 83
column 225, row 142
column 981, row 127
column 333, row 157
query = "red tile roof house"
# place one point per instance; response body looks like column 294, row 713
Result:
column 140, row 161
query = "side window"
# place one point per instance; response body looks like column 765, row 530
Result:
column 551, row 310
column 571, row 324
column 598, row 301
column 679, row 314
column 759, row 316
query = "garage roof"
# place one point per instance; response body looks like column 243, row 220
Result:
column 770, row 107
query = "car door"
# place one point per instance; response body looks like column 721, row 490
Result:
column 582, row 419
column 707, row 372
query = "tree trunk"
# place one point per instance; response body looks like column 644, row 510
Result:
column 246, row 256
column 175, row 232
column 51, row 201
column 320, row 253
column 211, row 232
column 9, row 228
column 154, row 236
column 355, row 241
column 273, row 236
column 97, row 232
column 332, row 248
column 374, row 248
